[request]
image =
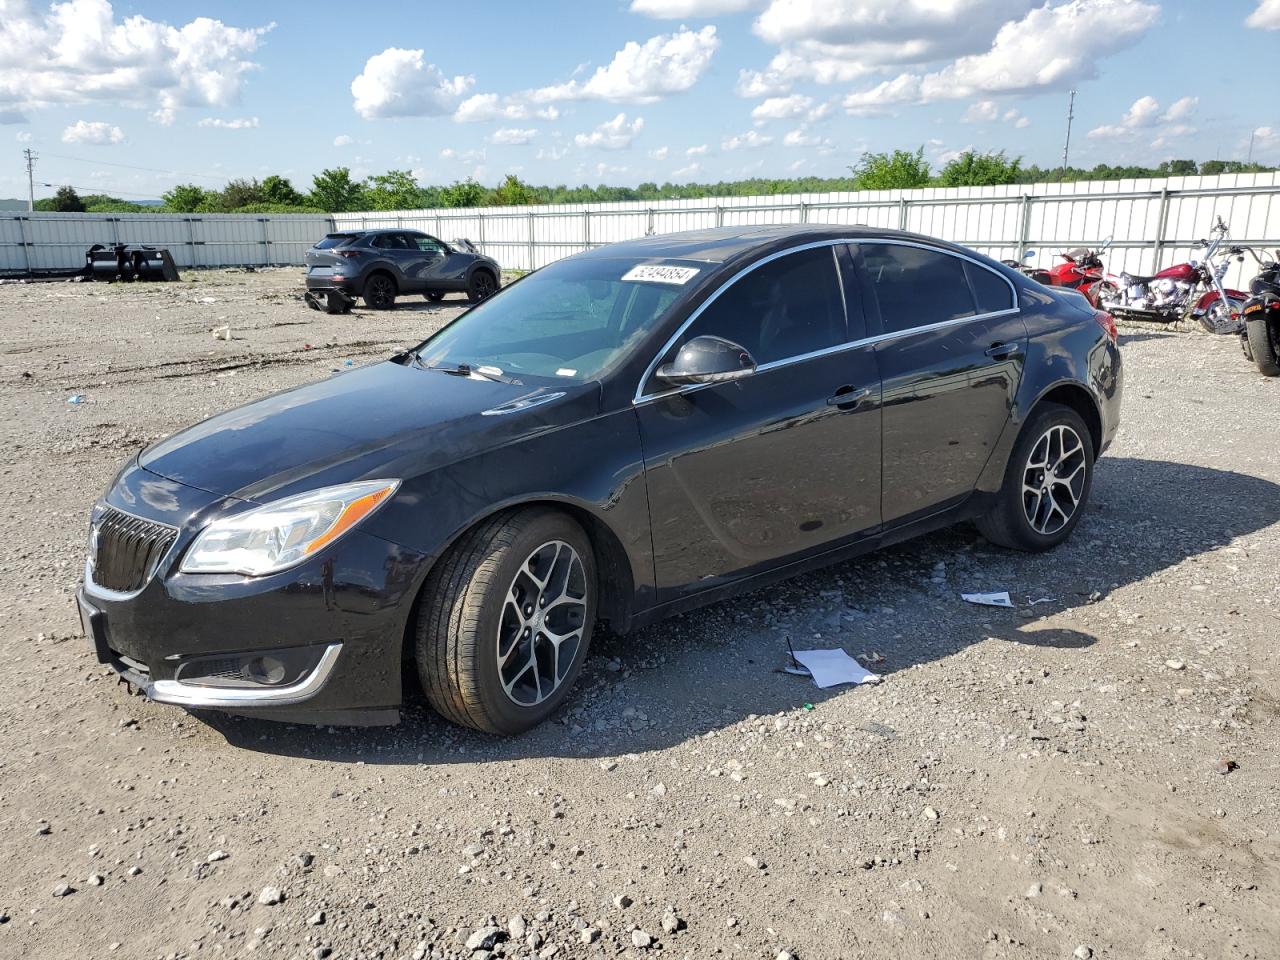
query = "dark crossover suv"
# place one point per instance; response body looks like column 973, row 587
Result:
column 380, row 265
column 621, row 435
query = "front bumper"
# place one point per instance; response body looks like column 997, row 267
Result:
column 319, row 643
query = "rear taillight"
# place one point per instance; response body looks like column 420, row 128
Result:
column 349, row 254
column 1107, row 323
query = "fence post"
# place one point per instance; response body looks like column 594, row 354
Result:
column 22, row 241
column 903, row 204
column 586, row 229
column 1162, row 224
column 266, row 241
column 1025, row 229
column 115, row 230
column 719, row 215
column 531, row 243
column 439, row 226
column 191, row 239
column 804, row 212
column 480, row 216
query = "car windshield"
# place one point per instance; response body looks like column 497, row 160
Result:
column 568, row 321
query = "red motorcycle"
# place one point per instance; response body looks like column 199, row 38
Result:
column 1082, row 270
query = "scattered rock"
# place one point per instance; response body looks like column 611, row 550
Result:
column 1082, row 952
column 640, row 939
column 517, row 927
column 622, row 901
column 217, row 855
column 755, row 863
column 588, row 934
column 270, row 896
column 316, row 919
column 930, row 813
column 484, row 939
column 1224, row 766
column 63, row 890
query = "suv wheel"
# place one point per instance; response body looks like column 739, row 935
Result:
column 1046, row 484
column 482, row 284
column 380, row 292
column 505, row 621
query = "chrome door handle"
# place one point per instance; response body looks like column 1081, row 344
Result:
column 1002, row 350
column 848, row 397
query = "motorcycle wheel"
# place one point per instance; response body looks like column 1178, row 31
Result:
column 1214, row 321
column 1262, row 344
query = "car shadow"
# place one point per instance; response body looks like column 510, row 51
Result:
column 899, row 607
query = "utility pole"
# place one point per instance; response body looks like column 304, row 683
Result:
column 1066, row 147
column 1252, row 134
column 31, row 187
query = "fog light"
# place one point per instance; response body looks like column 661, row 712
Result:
column 266, row 670
column 251, row 669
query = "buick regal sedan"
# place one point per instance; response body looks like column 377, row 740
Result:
column 624, row 434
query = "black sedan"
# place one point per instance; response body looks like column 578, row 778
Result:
column 380, row 265
column 624, row 434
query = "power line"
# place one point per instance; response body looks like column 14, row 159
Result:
column 130, row 166
column 99, row 190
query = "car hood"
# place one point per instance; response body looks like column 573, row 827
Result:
column 387, row 420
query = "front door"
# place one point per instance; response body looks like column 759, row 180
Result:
column 783, row 463
column 951, row 352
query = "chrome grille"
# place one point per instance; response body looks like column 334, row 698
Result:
column 127, row 550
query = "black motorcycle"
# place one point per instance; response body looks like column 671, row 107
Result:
column 1038, row 274
column 1260, row 338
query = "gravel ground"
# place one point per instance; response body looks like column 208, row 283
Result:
column 1090, row 775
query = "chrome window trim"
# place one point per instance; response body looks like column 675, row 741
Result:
column 639, row 397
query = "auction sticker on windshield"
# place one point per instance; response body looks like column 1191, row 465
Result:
column 658, row 273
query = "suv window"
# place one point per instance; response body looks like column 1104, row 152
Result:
column 334, row 240
column 427, row 244
column 788, row 307
column 914, row 287
column 390, row 241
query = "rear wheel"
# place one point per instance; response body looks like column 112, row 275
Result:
column 1261, row 339
column 505, row 621
column 1046, row 484
column 482, row 285
column 380, row 292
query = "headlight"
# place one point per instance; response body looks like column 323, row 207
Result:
column 270, row 538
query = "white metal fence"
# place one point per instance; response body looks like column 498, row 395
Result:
column 1152, row 223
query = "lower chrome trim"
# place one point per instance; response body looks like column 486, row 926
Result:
column 189, row 695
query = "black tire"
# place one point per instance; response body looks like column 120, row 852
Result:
column 1261, row 341
column 1008, row 523
column 464, row 612
column 483, row 284
column 380, row 292
column 435, row 296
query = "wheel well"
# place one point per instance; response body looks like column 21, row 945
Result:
column 1077, row 398
column 613, row 570
column 483, row 268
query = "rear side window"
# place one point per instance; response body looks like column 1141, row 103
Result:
column 788, row 307
column 989, row 289
column 914, row 287
column 334, row 240
column 391, row 241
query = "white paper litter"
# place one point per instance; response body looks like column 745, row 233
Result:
column 830, row 668
column 1000, row 599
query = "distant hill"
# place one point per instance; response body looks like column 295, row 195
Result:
column 13, row 204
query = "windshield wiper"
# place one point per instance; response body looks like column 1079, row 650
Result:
column 484, row 372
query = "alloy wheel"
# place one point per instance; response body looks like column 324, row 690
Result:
column 484, row 285
column 381, row 291
column 541, row 627
column 1053, row 480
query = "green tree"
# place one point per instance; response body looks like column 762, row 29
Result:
column 279, row 190
column 335, row 192
column 66, row 200
column 513, row 192
column 184, row 198
column 972, row 169
column 393, row 190
column 900, row 170
column 240, row 193
column 464, row 193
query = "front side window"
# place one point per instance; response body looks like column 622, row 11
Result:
column 428, row 244
column 913, row 286
column 785, row 308
column 570, row 320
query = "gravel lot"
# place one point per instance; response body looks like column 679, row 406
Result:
column 1039, row 782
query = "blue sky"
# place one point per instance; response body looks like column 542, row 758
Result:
column 621, row 91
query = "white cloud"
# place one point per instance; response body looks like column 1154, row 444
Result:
column 689, row 9
column 659, row 153
column 76, row 52
column 462, row 156
column 1266, row 17
column 1145, row 114
column 343, row 140
column 22, row 136
column 615, row 134
column 95, row 132
column 800, row 137
column 1052, row 47
column 399, row 83
column 746, row 141
column 512, row 136
column 789, row 108
column 643, row 72
column 239, row 123
column 552, row 153
column 701, row 150
column 483, row 107
column 691, row 170
column 983, row 111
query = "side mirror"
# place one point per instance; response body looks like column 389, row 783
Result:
column 707, row 359
column 1105, row 243
column 1028, row 255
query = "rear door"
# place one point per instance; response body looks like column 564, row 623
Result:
column 400, row 252
column 783, row 463
column 951, row 349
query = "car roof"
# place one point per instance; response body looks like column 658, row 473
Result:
column 724, row 244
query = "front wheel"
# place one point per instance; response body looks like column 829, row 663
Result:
column 505, row 621
column 1261, row 339
column 1046, row 484
column 1222, row 316
column 481, row 286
